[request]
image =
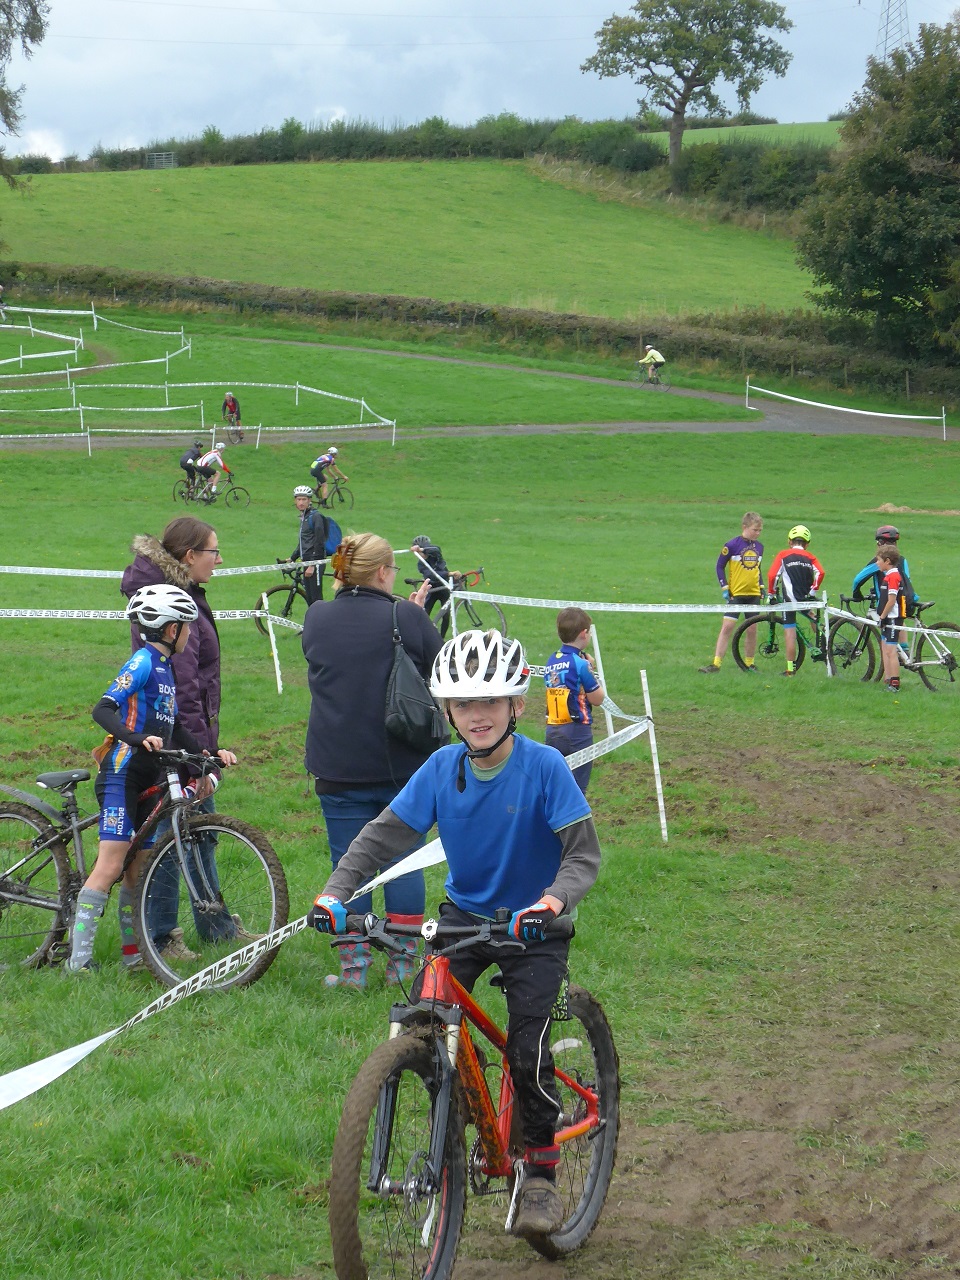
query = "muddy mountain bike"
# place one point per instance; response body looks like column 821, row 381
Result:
column 285, row 600
column 219, row 877
column 401, row 1168
column 771, row 649
column 471, row 615
column 338, row 495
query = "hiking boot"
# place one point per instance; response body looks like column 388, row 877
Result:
column 244, row 934
column 540, row 1212
column 177, row 949
column 708, row 670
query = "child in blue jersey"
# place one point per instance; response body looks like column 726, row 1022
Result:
column 139, row 713
column 572, row 691
column 517, row 833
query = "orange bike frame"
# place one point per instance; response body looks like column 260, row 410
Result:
column 493, row 1124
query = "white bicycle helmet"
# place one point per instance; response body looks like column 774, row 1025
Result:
column 333, row 450
column 217, row 448
column 480, row 664
column 303, row 491
column 153, row 607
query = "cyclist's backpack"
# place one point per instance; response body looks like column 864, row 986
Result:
column 333, row 535
column 909, row 595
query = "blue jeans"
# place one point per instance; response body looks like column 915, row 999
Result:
column 346, row 813
column 568, row 738
column 163, row 907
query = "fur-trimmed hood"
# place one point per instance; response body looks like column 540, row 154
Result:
column 148, row 547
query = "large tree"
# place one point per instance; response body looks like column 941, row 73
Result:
column 679, row 52
column 882, row 234
column 22, row 22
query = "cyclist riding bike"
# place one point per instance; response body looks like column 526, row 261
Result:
column 518, row 834
column 326, row 462
column 654, row 362
column 188, row 461
column 209, row 466
column 793, row 577
column 230, row 409
column 431, row 564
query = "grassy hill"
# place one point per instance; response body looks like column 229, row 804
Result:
column 495, row 232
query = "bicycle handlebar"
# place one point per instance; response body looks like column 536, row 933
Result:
column 204, row 763
column 434, row 931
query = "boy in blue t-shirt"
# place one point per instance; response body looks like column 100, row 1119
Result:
column 517, row 833
column 572, row 691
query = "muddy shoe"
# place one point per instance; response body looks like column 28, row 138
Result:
column 541, row 1209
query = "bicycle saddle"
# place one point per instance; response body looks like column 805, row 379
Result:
column 63, row 782
column 927, row 604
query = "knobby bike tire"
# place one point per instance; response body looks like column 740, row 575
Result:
column 482, row 615
column 237, row 496
column 340, row 496
column 584, row 1050
column 771, row 651
column 945, row 675
column 294, row 607
column 235, row 435
column 381, row 1236
column 35, row 897
column 250, row 900
column 851, row 650
column 181, row 492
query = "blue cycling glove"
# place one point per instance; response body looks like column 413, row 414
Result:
column 725, row 591
column 328, row 915
column 531, row 923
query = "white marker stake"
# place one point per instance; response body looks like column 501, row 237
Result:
column 653, row 753
column 600, row 676
column 273, row 641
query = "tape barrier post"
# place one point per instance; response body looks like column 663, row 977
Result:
column 596, row 649
column 653, row 754
column 273, row 641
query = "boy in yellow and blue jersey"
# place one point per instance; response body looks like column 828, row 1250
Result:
column 572, row 691
column 741, row 582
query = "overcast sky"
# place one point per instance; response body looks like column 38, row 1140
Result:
column 126, row 72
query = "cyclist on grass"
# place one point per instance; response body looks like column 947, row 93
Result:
column 653, row 361
column 869, row 578
column 230, row 409
column 431, row 564
column 139, row 714
column 209, row 465
column 794, row 576
column 320, row 466
column 188, row 461
column 517, row 833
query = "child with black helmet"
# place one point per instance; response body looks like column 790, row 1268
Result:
column 518, row 834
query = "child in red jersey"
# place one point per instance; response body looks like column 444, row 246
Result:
column 892, row 611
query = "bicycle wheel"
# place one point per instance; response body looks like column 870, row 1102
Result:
column 584, row 1052
column 181, row 491
column 235, row 435
column 285, row 602
column 936, row 663
column 34, row 887
column 852, row 651
column 771, row 651
column 340, row 496
column 480, row 615
column 242, row 895
column 237, row 496
column 384, row 1223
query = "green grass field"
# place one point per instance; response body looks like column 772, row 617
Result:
column 779, row 977
column 498, row 233
column 413, row 392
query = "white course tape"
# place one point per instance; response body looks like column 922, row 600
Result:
column 19, row 1084
column 599, row 606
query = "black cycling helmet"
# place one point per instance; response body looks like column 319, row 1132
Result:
column 199, row 444
column 421, row 540
column 888, row 533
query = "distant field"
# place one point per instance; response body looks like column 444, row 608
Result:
column 482, row 231
column 824, row 132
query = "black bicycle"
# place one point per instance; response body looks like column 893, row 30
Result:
column 655, row 380
column 471, row 615
column 235, row 888
column 338, row 495
column 853, row 644
column 286, row 600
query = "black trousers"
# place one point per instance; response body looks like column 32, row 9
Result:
column 532, row 979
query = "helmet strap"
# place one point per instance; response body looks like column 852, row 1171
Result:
column 484, row 752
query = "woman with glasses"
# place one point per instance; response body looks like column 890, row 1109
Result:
column 185, row 555
column 359, row 769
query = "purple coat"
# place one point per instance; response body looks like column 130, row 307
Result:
column 197, row 669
